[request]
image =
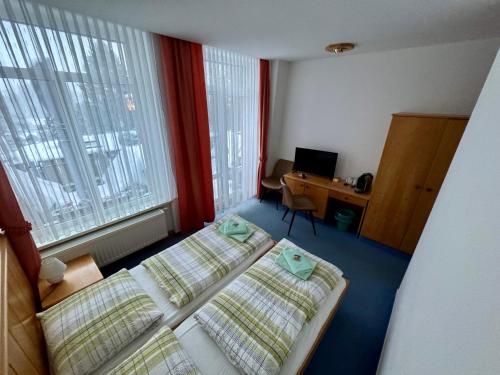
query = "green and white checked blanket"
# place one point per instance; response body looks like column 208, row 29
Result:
column 87, row 329
column 161, row 355
column 256, row 319
column 189, row 267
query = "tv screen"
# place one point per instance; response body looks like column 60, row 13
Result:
column 321, row 163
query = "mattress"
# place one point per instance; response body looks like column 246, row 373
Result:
column 210, row 360
column 173, row 315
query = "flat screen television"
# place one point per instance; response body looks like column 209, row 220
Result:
column 321, row 163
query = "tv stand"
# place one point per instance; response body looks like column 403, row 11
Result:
column 320, row 189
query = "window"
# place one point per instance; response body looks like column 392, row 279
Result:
column 232, row 82
column 82, row 133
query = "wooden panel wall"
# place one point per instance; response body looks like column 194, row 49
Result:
column 23, row 346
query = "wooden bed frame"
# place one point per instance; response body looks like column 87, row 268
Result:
column 22, row 343
column 323, row 329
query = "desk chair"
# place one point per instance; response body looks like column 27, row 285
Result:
column 272, row 182
column 296, row 202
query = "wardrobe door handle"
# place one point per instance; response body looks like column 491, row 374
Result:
column 429, row 189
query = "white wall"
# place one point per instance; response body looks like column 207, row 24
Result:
column 447, row 316
column 344, row 104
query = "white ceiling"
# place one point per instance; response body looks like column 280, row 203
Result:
column 300, row 29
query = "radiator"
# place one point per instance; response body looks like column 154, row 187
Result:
column 116, row 241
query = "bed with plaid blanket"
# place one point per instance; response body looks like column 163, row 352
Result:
column 189, row 267
column 256, row 319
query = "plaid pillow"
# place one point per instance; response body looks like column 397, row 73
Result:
column 162, row 355
column 257, row 318
column 87, row 329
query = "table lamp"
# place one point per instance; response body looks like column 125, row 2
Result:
column 52, row 270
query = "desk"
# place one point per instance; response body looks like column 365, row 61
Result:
column 320, row 189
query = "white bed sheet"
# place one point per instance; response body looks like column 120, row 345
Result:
column 210, row 360
column 173, row 315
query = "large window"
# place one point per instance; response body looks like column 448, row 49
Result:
column 232, row 82
column 81, row 126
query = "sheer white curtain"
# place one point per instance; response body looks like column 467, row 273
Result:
column 232, row 82
column 82, row 133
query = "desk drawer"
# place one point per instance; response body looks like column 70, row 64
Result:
column 348, row 198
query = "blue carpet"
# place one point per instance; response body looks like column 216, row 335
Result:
column 354, row 340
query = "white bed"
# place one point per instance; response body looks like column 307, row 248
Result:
column 210, row 360
column 173, row 315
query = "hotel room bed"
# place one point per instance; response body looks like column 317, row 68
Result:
column 205, row 353
column 210, row 360
column 198, row 345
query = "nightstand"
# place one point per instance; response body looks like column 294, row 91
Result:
column 81, row 273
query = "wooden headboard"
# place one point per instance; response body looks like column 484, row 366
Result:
column 22, row 343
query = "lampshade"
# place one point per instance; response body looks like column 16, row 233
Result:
column 52, row 270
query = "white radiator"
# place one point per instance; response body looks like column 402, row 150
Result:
column 116, row 241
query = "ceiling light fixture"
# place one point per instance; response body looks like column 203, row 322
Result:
column 339, row 48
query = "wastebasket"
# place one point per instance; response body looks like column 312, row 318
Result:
column 344, row 218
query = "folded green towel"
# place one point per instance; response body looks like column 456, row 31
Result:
column 240, row 232
column 294, row 261
column 242, row 237
column 231, row 226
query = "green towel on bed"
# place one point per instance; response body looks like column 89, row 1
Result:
column 237, row 230
column 231, row 226
column 294, row 261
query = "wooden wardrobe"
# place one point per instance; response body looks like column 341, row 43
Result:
column 417, row 153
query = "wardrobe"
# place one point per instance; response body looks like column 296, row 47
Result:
column 417, row 153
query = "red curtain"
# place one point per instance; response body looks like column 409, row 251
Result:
column 186, row 102
column 18, row 230
column 264, row 94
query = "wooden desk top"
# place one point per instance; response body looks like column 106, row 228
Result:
column 81, row 272
column 327, row 183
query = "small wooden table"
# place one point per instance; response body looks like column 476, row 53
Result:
column 81, row 273
column 320, row 189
